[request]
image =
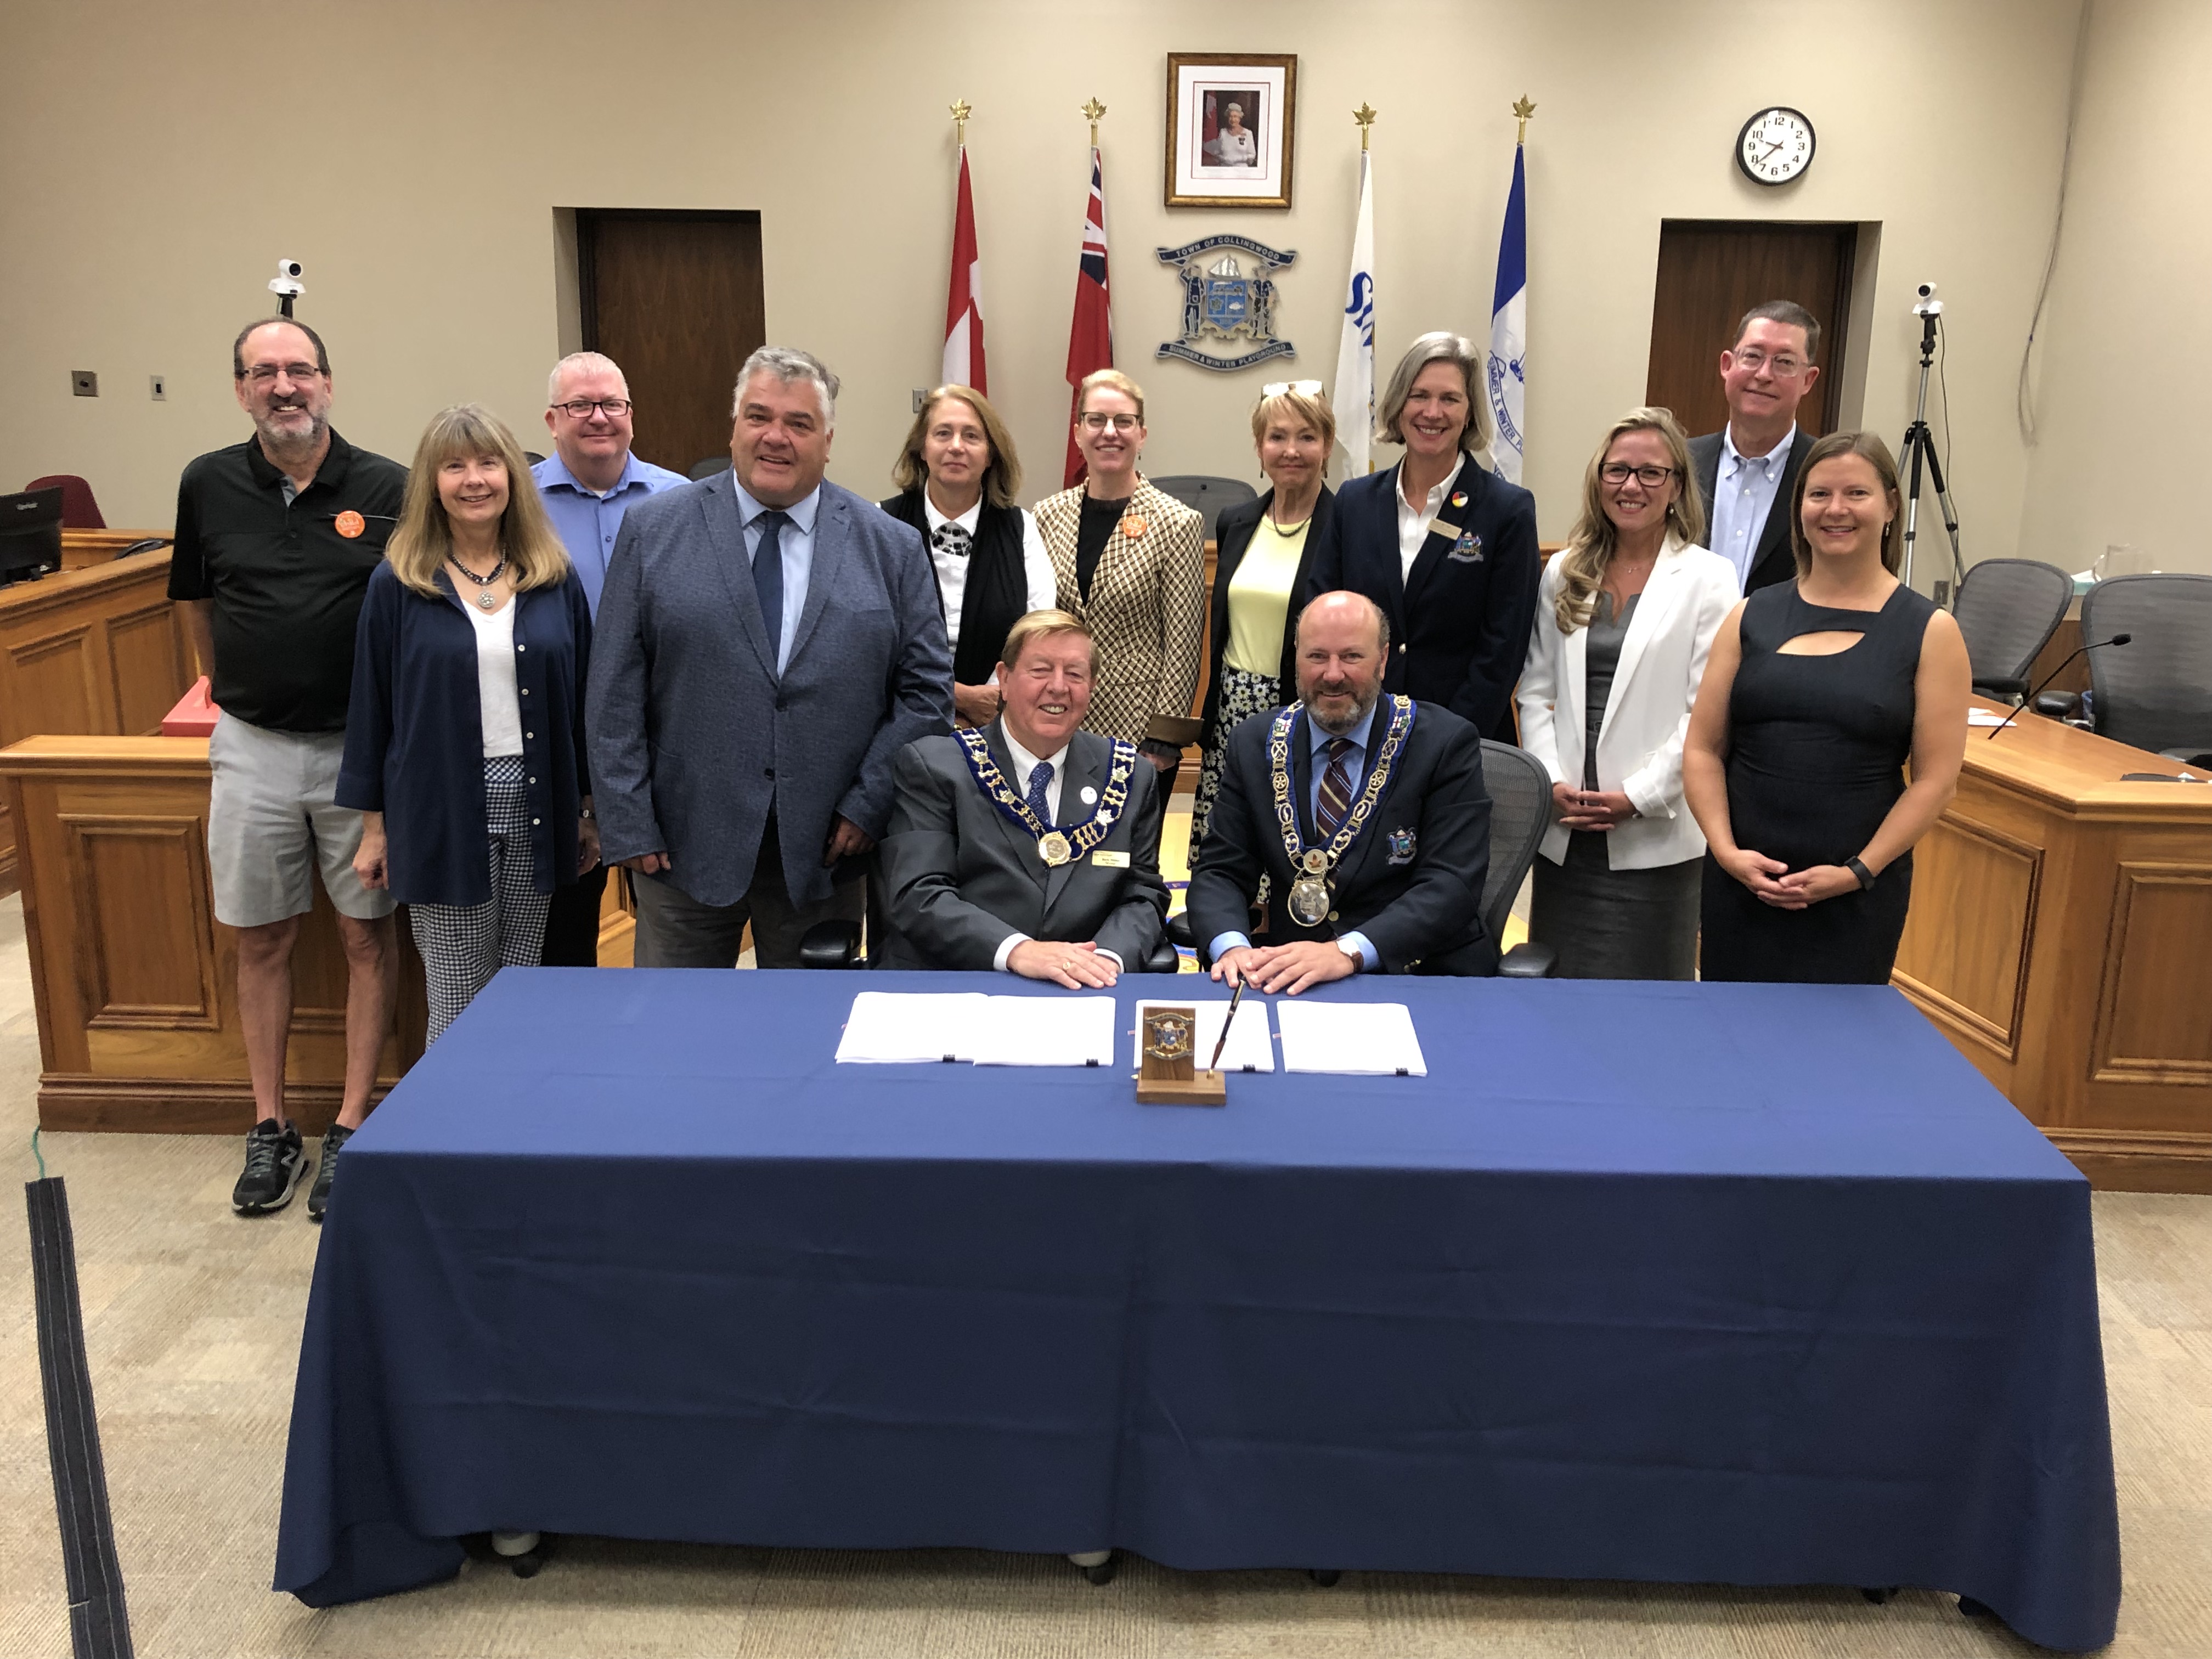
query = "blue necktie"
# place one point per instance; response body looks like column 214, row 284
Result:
column 768, row 578
column 1040, row 776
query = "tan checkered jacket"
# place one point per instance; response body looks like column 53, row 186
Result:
column 1147, row 605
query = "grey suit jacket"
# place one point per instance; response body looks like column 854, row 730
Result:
column 1772, row 562
column 960, row 876
column 695, row 738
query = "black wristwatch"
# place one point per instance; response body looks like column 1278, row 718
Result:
column 1865, row 875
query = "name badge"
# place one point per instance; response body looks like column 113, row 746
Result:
column 1438, row 527
column 1106, row 860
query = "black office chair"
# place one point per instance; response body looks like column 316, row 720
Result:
column 2155, row 691
column 709, row 468
column 2008, row 608
column 1520, row 811
column 532, row 456
column 837, row 945
column 1207, row 495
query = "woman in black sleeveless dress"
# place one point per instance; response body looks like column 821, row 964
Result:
column 1817, row 693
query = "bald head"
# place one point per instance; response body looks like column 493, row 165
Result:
column 1344, row 645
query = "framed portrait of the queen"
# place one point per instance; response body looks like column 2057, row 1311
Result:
column 1232, row 125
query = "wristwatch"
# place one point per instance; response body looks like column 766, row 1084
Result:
column 1865, row 875
column 586, row 812
column 1350, row 949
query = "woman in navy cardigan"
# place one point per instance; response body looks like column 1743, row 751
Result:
column 1446, row 549
column 464, row 736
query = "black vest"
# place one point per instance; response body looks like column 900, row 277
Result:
column 996, row 595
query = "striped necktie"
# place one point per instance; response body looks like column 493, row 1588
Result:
column 1335, row 803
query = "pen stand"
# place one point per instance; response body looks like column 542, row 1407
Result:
column 1167, row 1061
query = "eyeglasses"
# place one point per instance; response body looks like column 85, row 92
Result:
column 1619, row 472
column 1303, row 388
column 1094, row 422
column 267, row 374
column 580, row 409
column 1754, row 359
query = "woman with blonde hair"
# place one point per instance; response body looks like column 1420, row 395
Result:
column 1625, row 615
column 1817, row 693
column 957, row 477
column 1264, row 556
column 1130, row 561
column 464, row 736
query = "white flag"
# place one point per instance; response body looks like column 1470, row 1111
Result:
column 1509, row 333
column 1353, row 400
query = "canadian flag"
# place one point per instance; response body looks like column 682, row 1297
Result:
column 964, row 299
column 1090, row 336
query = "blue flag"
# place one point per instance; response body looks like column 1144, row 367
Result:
column 1509, row 332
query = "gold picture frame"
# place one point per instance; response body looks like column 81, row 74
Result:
column 1220, row 153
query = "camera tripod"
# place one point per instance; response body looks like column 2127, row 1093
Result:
column 1919, row 447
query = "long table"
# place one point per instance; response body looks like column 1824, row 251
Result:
column 1755, row 1284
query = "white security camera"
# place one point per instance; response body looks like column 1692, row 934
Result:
column 287, row 280
column 1924, row 302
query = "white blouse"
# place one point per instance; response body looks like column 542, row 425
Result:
column 496, row 687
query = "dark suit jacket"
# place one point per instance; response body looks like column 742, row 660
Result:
column 1232, row 534
column 1773, row 561
column 695, row 738
column 1459, row 627
column 960, row 876
column 1421, row 912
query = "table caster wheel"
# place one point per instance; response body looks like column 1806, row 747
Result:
column 1970, row 1608
column 526, row 1566
column 1097, row 1564
column 1325, row 1576
column 523, row 1552
column 1880, row 1596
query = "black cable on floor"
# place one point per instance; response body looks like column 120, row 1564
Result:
column 100, row 1623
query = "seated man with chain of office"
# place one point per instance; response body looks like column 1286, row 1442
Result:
column 1363, row 815
column 1029, row 845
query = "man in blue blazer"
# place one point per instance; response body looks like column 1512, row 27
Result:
column 767, row 643
column 1365, row 813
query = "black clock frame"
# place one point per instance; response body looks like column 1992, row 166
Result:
column 1811, row 132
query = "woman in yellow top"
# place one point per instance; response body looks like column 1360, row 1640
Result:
column 1131, row 565
column 1262, row 563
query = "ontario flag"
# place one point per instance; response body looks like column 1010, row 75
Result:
column 1090, row 336
column 964, row 299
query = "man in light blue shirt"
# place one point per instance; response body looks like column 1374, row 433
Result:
column 592, row 478
column 588, row 483
column 1743, row 495
column 1746, row 474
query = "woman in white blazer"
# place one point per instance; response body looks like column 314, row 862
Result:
column 1625, row 616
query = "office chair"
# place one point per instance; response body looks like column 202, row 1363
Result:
column 79, row 510
column 709, row 468
column 837, row 945
column 1207, row 495
column 2155, row 691
column 2008, row 608
column 532, row 457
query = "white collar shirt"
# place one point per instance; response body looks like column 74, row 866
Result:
column 1414, row 521
column 1025, row 763
column 1038, row 578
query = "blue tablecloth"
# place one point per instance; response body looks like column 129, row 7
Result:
column 1722, row 1283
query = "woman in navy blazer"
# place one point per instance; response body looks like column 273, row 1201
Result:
column 1446, row 549
column 1293, row 428
column 464, row 736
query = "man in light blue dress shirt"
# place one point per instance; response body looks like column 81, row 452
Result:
column 588, row 483
column 1747, row 473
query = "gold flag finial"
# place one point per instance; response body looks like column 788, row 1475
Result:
column 1364, row 118
column 1094, row 110
column 961, row 110
column 1523, row 109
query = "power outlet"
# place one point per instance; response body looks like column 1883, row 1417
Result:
column 160, row 383
column 83, row 383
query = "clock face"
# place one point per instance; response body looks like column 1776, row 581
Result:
column 1775, row 146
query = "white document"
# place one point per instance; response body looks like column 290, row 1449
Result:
column 1983, row 717
column 896, row 1027
column 1249, row 1049
column 1369, row 1039
column 1059, row 1030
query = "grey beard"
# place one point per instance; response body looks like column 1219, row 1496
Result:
column 1337, row 729
column 274, row 444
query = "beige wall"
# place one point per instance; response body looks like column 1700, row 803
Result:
column 2127, row 339
column 157, row 158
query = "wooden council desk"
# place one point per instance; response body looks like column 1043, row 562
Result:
column 2060, row 936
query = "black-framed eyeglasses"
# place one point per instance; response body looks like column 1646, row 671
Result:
column 1619, row 472
column 580, row 409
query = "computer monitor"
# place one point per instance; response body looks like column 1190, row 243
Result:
column 30, row 535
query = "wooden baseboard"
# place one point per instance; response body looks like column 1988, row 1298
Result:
column 173, row 1106
column 2117, row 1161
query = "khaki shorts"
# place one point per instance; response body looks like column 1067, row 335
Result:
column 272, row 818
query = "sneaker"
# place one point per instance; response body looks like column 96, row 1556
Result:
column 274, row 1163
column 327, row 1170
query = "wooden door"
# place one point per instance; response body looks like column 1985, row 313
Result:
column 1713, row 271
column 677, row 300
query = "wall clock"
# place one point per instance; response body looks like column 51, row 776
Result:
column 1775, row 146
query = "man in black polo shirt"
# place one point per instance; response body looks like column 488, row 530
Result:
column 276, row 540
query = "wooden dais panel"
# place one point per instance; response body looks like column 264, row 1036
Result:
column 1969, row 956
column 139, row 879
column 2153, row 1024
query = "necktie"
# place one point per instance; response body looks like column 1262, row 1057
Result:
column 949, row 538
column 1040, row 776
column 1335, row 803
column 768, row 578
